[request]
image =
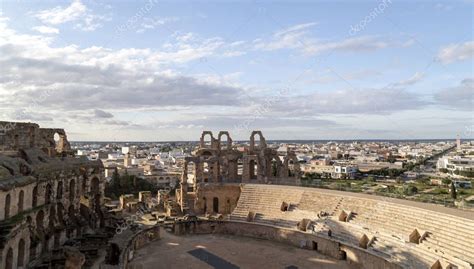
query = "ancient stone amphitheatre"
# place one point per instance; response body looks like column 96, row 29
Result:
column 54, row 214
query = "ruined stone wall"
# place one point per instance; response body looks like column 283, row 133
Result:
column 217, row 161
column 127, row 246
column 44, row 199
column 226, row 197
column 19, row 135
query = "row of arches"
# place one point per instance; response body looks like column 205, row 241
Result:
column 208, row 141
column 21, row 256
column 48, row 195
column 40, row 232
column 20, row 203
column 214, row 169
column 215, row 206
column 257, row 141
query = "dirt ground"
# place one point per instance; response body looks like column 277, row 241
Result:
column 227, row 252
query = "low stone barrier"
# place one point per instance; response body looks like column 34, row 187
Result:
column 323, row 244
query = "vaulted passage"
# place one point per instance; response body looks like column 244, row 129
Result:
column 7, row 206
column 21, row 198
column 215, row 204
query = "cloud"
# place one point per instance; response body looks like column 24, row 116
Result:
column 460, row 97
column 456, row 52
column 46, row 29
column 298, row 37
column 106, row 78
column 24, row 115
column 353, row 101
column 417, row 77
column 60, row 15
column 102, row 114
column 75, row 12
column 152, row 23
column 328, row 76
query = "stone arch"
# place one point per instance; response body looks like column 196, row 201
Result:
column 48, row 193
column 40, row 221
column 59, row 190
column 291, row 168
column 204, row 135
column 261, row 141
column 228, row 143
column 72, row 190
column 342, row 255
column 215, row 205
column 21, row 253
column 190, row 171
column 60, row 213
column 9, row 259
column 56, row 138
column 21, row 201
column 35, row 197
column 7, row 206
column 240, row 166
column 275, row 167
column 291, row 165
column 205, row 204
column 61, row 144
column 206, row 167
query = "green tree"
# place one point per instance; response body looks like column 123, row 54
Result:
column 446, row 181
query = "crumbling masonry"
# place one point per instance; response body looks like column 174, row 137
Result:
column 47, row 195
column 217, row 161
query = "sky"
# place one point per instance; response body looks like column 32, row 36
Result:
column 167, row 70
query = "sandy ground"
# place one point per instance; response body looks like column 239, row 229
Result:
column 227, row 252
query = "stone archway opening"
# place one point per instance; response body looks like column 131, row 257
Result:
column 48, row 194
column 72, row 190
column 9, row 259
column 21, row 200
column 59, row 190
column 240, row 167
column 35, row 196
column 253, row 169
column 215, row 205
column 7, row 206
column 21, row 254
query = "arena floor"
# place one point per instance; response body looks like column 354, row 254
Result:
column 227, row 252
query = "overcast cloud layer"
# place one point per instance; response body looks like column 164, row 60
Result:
column 181, row 86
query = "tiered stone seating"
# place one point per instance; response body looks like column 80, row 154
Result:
column 266, row 202
column 448, row 235
column 316, row 202
column 450, row 238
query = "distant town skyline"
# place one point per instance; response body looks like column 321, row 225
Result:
column 163, row 71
